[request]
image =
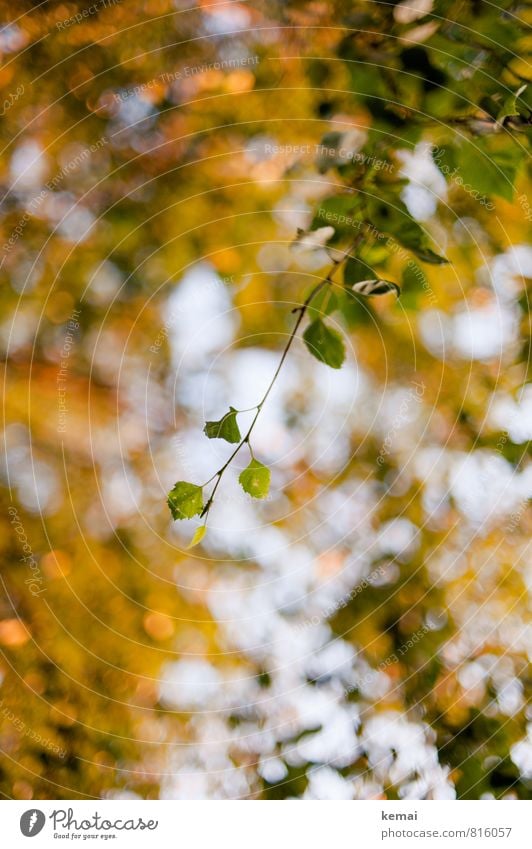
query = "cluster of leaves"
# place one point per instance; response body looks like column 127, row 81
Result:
column 372, row 221
column 451, row 72
column 374, row 209
column 186, row 500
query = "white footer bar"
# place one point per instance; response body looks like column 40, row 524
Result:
column 267, row 825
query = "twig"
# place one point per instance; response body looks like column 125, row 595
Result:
column 301, row 310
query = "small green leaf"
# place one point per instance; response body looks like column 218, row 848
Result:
column 338, row 211
column 324, row 343
column 185, row 500
column 199, row 533
column 413, row 276
column 444, row 158
column 392, row 216
column 489, row 167
column 356, row 270
column 226, row 428
column 429, row 256
column 412, row 236
column 255, row 479
column 482, row 168
column 510, row 105
column 325, row 303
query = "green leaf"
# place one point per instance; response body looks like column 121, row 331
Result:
column 413, row 276
column 340, row 212
column 324, row 343
column 255, row 479
column 226, row 428
column 429, row 256
column 485, row 167
column 356, row 270
column 510, row 106
column 185, row 500
column 444, row 157
column 325, row 303
column 199, row 533
column 393, row 217
column 410, row 234
column 489, row 167
column 414, row 284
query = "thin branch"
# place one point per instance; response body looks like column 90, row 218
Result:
column 301, row 310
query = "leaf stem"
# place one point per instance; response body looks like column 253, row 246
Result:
column 301, row 310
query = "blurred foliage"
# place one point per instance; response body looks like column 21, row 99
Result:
column 139, row 140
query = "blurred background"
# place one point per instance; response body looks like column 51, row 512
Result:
column 364, row 632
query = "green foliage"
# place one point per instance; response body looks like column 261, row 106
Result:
column 226, row 428
column 355, row 271
column 325, row 303
column 413, row 276
column 390, row 215
column 513, row 105
column 255, row 479
column 324, row 343
column 185, row 500
column 340, row 212
column 487, row 166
